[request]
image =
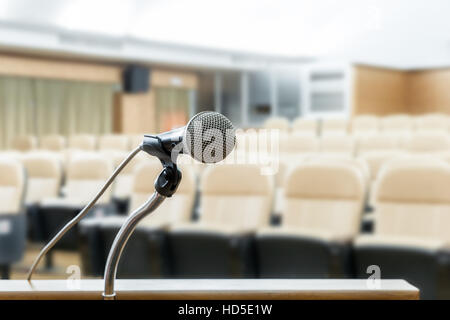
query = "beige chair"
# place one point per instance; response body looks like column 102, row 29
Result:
column 323, row 206
column 444, row 156
column 86, row 142
column 123, row 184
column 44, row 172
column 383, row 142
column 412, row 220
column 428, row 142
column 114, row 142
column 360, row 164
column 236, row 201
column 376, row 159
column 53, row 142
column 177, row 209
column 434, row 122
column 12, row 217
column 294, row 149
column 334, row 127
column 298, row 144
column 11, row 154
column 12, row 185
column 23, row 143
column 305, row 126
column 277, row 123
column 86, row 175
column 337, row 145
column 397, row 123
column 147, row 244
column 365, row 125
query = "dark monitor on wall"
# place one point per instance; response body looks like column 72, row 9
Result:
column 136, row 79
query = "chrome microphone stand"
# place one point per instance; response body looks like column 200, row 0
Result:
column 121, row 240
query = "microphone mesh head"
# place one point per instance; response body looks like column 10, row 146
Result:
column 209, row 137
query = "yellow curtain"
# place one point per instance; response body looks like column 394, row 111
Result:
column 16, row 108
column 42, row 106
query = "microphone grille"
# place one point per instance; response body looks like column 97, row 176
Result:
column 209, row 137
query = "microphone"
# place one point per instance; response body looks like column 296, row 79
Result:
column 209, row 137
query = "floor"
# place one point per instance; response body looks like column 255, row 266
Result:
column 64, row 264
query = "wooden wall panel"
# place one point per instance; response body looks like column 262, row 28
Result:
column 134, row 113
column 63, row 70
column 429, row 91
column 379, row 91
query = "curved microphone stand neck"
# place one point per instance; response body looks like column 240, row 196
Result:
column 165, row 185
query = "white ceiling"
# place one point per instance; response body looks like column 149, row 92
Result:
column 403, row 34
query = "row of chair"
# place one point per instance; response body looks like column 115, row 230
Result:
column 87, row 142
column 323, row 199
column 38, row 196
column 358, row 125
column 46, row 172
column 363, row 124
column 318, row 236
column 294, row 143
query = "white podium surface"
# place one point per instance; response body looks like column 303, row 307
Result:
column 209, row 289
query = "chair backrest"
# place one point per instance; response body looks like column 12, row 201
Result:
column 434, row 122
column 44, row 172
column 295, row 143
column 114, row 142
column 413, row 200
column 324, row 197
column 12, row 154
column 12, row 185
column 365, row 125
column 359, row 164
column 380, row 142
column 334, row 127
column 173, row 210
column 83, row 142
column 86, row 174
column 305, row 126
column 376, row 159
column 23, row 143
column 398, row 123
column 236, row 196
column 53, row 142
column 123, row 182
column 337, row 144
column 426, row 142
column 277, row 123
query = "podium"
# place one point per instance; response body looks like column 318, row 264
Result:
column 210, row 289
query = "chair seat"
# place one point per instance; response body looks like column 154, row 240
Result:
column 209, row 228
column 286, row 231
column 396, row 241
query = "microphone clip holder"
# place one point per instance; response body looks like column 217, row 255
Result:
column 168, row 180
